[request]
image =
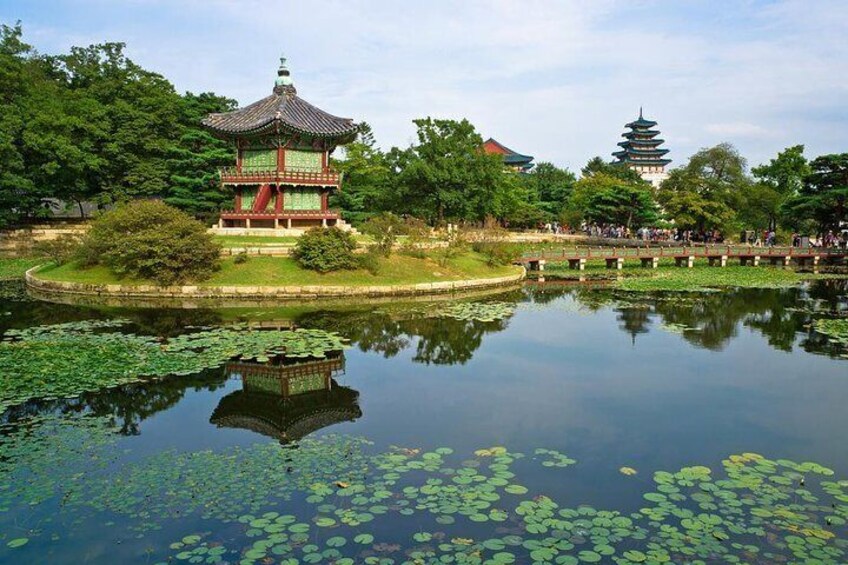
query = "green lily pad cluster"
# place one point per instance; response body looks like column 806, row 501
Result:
column 836, row 329
column 553, row 458
column 65, row 360
column 329, row 499
column 478, row 311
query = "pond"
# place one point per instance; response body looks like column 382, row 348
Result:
column 553, row 424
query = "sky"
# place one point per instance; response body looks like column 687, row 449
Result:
column 553, row 79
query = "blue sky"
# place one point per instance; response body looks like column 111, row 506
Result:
column 553, row 79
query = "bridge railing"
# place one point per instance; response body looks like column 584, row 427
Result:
column 582, row 252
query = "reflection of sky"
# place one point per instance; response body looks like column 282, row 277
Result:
column 574, row 382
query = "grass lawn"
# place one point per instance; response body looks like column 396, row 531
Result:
column 260, row 240
column 15, row 268
column 284, row 271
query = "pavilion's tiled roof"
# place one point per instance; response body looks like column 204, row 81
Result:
column 510, row 157
column 283, row 110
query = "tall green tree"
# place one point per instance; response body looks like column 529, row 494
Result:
column 777, row 181
column 603, row 199
column 366, row 174
column 707, row 191
column 19, row 78
column 612, row 169
column 549, row 188
column 446, row 175
column 823, row 196
column 194, row 159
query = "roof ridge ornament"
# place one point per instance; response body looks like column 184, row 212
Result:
column 283, row 84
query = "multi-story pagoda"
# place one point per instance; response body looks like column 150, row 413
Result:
column 282, row 176
column 512, row 160
column 641, row 152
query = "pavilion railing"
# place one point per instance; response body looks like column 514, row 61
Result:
column 291, row 175
column 283, row 214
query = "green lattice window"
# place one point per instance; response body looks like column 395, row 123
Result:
column 248, row 197
column 259, row 160
column 306, row 383
column 304, row 160
column 302, row 199
column 262, row 383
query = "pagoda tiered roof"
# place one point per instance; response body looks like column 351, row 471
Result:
column 282, row 111
column 641, row 146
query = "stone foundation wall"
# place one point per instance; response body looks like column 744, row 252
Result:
column 21, row 242
column 45, row 289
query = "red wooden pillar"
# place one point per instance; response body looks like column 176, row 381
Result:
column 238, row 199
column 278, row 205
column 324, row 163
column 324, row 204
column 281, row 159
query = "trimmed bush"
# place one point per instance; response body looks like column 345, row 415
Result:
column 384, row 228
column 148, row 239
column 61, row 250
column 325, row 250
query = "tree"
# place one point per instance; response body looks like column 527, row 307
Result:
column 193, row 161
column 366, row 175
column 707, row 191
column 617, row 170
column 19, row 196
column 549, row 188
column 604, row 199
column 823, row 196
column 446, row 175
column 779, row 179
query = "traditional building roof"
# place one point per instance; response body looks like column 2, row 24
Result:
column 641, row 146
column 282, row 111
column 510, row 157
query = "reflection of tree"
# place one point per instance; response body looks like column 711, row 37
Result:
column 127, row 405
column 780, row 315
column 438, row 340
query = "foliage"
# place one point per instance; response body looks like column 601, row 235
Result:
column 241, row 258
column 469, row 509
column 325, row 250
column 150, row 240
column 597, row 165
column 370, row 260
column 602, row 198
column 492, row 242
column 478, row 311
column 778, row 180
column 707, row 191
column 549, row 189
column 824, row 194
column 92, row 125
column 836, row 329
column 60, row 250
column 705, row 278
column 417, row 235
column 446, row 176
column 196, row 156
column 454, row 242
column 366, row 174
column 384, row 229
column 63, row 360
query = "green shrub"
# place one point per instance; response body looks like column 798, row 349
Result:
column 60, row 250
column 370, row 261
column 496, row 252
column 148, row 239
column 326, row 249
column 384, row 228
column 241, row 258
column 417, row 234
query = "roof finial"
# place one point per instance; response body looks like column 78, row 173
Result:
column 640, row 111
column 284, row 80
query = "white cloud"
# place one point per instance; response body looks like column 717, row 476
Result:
column 554, row 79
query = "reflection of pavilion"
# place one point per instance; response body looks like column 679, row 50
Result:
column 289, row 401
